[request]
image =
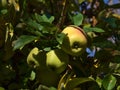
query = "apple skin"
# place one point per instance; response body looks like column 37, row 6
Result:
column 75, row 41
column 57, row 60
column 44, row 75
column 36, row 58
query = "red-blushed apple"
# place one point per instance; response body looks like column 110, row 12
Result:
column 75, row 41
column 57, row 60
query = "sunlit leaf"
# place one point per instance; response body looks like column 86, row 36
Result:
column 99, row 81
column 17, row 6
column 64, row 79
column 32, row 76
column 22, row 41
column 75, row 82
column 45, row 18
column 86, row 25
column 77, row 19
column 60, row 38
column 116, row 16
column 51, row 19
column 8, row 41
column 118, row 88
column 109, row 82
column 15, row 3
column 42, row 87
column 1, row 88
column 9, row 32
column 47, row 49
column 4, row 11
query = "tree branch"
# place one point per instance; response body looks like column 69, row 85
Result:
column 63, row 14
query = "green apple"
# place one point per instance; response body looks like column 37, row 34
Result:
column 75, row 41
column 47, row 77
column 57, row 60
column 36, row 58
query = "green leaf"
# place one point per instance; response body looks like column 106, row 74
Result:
column 116, row 59
column 60, row 37
column 104, row 43
column 51, row 19
column 77, row 19
column 48, row 28
column 109, row 82
column 86, row 25
column 47, row 49
column 1, row 88
column 52, row 88
column 111, row 22
column 22, row 41
column 118, row 87
column 32, row 76
column 43, row 18
column 75, row 82
column 80, row 1
column 4, row 11
column 94, row 29
column 99, row 81
column 38, row 18
column 43, row 87
column 34, row 24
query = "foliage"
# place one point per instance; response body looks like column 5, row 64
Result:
column 25, row 24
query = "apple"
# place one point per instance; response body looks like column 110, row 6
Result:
column 57, row 60
column 75, row 41
column 36, row 58
column 47, row 77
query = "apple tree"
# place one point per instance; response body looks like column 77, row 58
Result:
column 59, row 45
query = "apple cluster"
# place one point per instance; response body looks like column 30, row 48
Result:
column 49, row 65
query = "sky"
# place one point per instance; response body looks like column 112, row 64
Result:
column 113, row 2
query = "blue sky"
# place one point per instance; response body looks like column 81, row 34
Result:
column 114, row 1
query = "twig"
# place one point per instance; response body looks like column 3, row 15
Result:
column 63, row 15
